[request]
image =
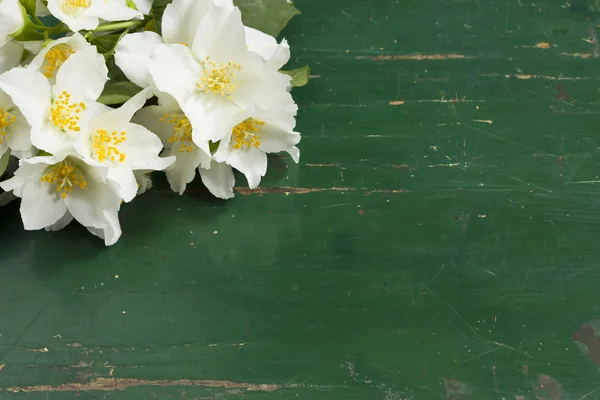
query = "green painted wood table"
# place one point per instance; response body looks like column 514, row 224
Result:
column 440, row 238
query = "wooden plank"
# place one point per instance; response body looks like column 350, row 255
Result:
column 439, row 239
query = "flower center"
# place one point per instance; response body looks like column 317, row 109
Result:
column 74, row 7
column 217, row 78
column 245, row 134
column 55, row 57
column 65, row 176
column 6, row 119
column 104, row 145
column 182, row 131
column 64, row 114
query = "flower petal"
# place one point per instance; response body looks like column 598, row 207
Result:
column 83, row 75
column 219, row 179
column 150, row 117
column 123, row 176
column 75, row 23
column 111, row 231
column 113, row 10
column 274, row 139
column 143, row 6
column 183, row 170
column 11, row 53
column 40, row 206
column 61, row 223
column 294, row 152
column 251, row 162
column 75, row 42
column 18, row 135
column 142, row 148
column 132, row 54
column 221, row 36
column 11, row 17
column 174, row 70
column 181, row 18
column 30, row 91
column 275, row 55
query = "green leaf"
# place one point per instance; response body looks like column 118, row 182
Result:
column 118, row 92
column 4, row 162
column 106, row 43
column 300, row 76
column 29, row 6
column 268, row 16
column 158, row 9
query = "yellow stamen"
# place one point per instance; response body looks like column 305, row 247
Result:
column 74, row 7
column 63, row 113
column 54, row 58
column 245, row 134
column 6, row 119
column 104, row 145
column 217, row 78
column 182, row 131
column 66, row 176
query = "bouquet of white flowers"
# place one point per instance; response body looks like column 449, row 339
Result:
column 97, row 94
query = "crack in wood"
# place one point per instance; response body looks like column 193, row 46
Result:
column 119, row 384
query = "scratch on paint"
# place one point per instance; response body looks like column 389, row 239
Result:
column 549, row 77
column 577, row 55
column 111, row 384
column 396, row 102
column 294, row 190
column 417, row 57
column 485, row 121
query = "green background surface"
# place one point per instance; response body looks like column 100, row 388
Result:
column 438, row 240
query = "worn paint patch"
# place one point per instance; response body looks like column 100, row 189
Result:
column 543, row 45
column 110, row 384
column 547, row 388
column 587, row 340
column 295, row 190
column 455, row 390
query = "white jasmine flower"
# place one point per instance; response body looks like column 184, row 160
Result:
column 175, row 130
column 54, row 54
column 12, row 18
column 112, row 141
column 143, row 6
column 86, row 14
column 58, row 113
column 179, row 26
column 267, row 131
column 55, row 190
column 218, row 81
column 14, row 129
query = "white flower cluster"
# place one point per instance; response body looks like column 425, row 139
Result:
column 222, row 104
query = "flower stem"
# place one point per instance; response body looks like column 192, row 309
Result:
column 119, row 25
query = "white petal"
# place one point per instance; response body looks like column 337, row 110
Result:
column 219, row 179
column 274, row 140
column 183, row 170
column 112, row 10
column 11, row 53
column 111, row 231
column 144, row 181
column 123, row 176
column 61, row 223
column 150, row 117
column 75, row 23
column 142, row 148
column 30, row 91
column 83, row 75
column 251, row 162
column 221, row 36
column 40, row 9
column 144, row 6
column 174, row 70
column 40, row 206
column 276, row 55
column 18, row 135
column 116, row 119
column 294, row 152
column 11, row 17
column 259, row 85
column 132, row 54
column 181, row 18
column 75, row 42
